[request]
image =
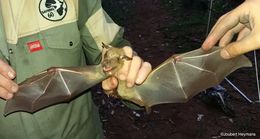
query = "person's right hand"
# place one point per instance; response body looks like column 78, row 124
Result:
column 7, row 86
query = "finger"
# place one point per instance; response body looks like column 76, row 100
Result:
column 122, row 73
column 226, row 39
column 110, row 83
column 228, row 22
column 133, row 71
column 205, row 46
column 143, row 72
column 219, row 20
column 6, row 70
column 8, row 84
column 5, row 94
column 245, row 45
column 244, row 32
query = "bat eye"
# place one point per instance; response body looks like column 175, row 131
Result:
column 124, row 57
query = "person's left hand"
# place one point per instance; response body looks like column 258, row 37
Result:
column 244, row 21
column 134, row 71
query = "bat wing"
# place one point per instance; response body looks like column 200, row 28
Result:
column 53, row 86
column 180, row 78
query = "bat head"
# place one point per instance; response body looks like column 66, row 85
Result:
column 113, row 59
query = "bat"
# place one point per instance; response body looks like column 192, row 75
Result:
column 176, row 80
column 181, row 77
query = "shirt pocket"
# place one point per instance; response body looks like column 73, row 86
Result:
column 63, row 37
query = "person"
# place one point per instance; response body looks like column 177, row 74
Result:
column 39, row 34
column 243, row 21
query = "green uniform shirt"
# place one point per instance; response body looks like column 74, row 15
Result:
column 44, row 33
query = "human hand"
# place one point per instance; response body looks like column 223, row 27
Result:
column 133, row 71
column 7, row 86
column 243, row 20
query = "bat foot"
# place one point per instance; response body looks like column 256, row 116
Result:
column 112, row 93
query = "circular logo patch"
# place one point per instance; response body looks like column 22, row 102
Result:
column 53, row 10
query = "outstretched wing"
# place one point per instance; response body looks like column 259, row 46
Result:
column 180, row 78
column 53, row 86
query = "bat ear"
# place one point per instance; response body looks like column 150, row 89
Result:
column 104, row 46
column 124, row 57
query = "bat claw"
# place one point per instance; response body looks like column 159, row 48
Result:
column 52, row 69
column 176, row 59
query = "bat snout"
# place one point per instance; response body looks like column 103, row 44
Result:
column 107, row 68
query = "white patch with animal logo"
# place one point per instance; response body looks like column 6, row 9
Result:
column 53, row 10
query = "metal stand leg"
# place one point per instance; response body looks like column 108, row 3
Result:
column 257, row 78
column 209, row 17
column 239, row 91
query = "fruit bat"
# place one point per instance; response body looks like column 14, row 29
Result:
column 181, row 77
column 176, row 80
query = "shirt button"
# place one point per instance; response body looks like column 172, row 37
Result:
column 10, row 51
column 71, row 43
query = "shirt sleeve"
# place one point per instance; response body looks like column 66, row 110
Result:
column 3, row 45
column 97, row 27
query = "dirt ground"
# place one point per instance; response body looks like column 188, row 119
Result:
column 147, row 28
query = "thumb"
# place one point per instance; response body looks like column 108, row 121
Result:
column 247, row 44
column 110, row 84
